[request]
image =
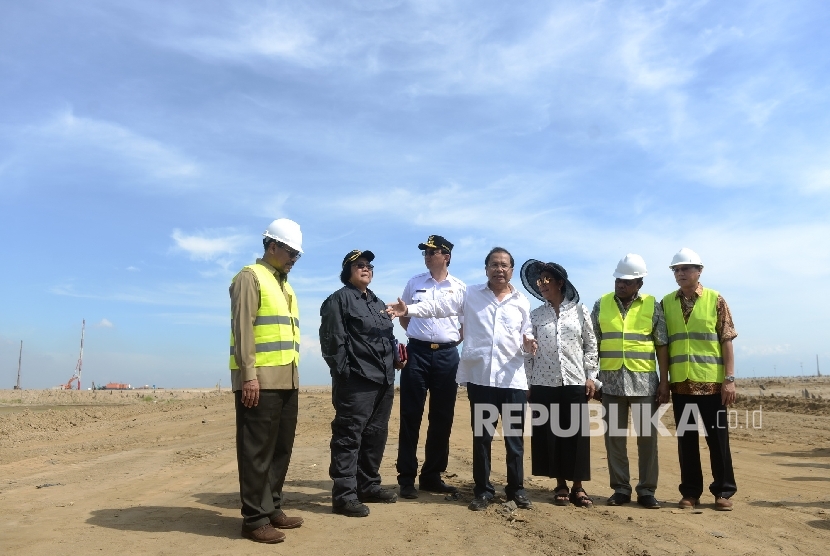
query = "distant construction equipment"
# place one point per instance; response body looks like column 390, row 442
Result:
column 19, row 361
column 76, row 377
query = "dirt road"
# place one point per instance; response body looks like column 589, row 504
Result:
column 144, row 473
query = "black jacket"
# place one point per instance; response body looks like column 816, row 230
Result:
column 356, row 335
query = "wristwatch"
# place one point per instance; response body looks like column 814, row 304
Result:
column 730, row 378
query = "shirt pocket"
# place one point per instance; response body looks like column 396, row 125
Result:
column 510, row 319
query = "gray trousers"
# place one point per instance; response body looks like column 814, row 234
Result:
column 616, row 446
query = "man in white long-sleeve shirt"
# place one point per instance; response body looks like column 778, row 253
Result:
column 496, row 337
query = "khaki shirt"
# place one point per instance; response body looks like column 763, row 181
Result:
column 245, row 302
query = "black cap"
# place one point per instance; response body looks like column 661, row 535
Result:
column 533, row 269
column 355, row 254
column 436, row 242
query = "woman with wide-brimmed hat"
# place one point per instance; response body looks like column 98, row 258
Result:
column 562, row 376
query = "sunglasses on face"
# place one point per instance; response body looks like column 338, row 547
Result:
column 361, row 266
column 544, row 280
column 292, row 253
column 431, row 252
column 677, row 269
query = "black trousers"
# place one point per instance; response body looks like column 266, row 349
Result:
column 714, row 416
column 496, row 398
column 358, row 435
column 264, row 440
column 556, row 455
column 430, row 371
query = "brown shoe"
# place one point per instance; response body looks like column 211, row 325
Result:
column 688, row 503
column 265, row 534
column 723, row 504
column 282, row 521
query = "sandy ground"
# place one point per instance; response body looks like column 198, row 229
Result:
column 155, row 473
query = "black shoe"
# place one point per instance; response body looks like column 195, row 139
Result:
column 648, row 501
column 382, row 495
column 409, row 491
column 618, row 499
column 522, row 501
column 479, row 503
column 352, row 508
column 440, row 487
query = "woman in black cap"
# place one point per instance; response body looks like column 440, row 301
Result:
column 562, row 377
column 358, row 345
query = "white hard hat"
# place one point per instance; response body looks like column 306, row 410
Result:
column 686, row 256
column 631, row 267
column 285, row 231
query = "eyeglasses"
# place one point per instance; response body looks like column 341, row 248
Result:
column 292, row 253
column 544, row 280
column 677, row 269
column 368, row 266
column 431, row 252
column 496, row 266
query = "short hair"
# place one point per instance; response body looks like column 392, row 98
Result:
column 266, row 241
column 346, row 273
column 495, row 250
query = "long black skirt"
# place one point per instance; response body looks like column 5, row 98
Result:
column 557, row 455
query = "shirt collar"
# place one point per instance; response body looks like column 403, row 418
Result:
column 370, row 295
column 486, row 286
column 277, row 274
column 698, row 292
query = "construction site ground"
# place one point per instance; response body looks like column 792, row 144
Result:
column 143, row 472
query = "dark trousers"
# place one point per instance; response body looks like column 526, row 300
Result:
column 497, row 397
column 555, row 455
column 358, row 435
column 264, row 440
column 430, row 371
column 714, row 416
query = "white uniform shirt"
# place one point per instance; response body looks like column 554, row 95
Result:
column 567, row 353
column 424, row 287
column 493, row 334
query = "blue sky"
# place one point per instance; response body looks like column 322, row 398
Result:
column 145, row 146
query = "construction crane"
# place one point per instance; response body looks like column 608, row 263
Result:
column 76, row 377
column 19, row 361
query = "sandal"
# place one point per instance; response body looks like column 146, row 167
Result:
column 561, row 499
column 580, row 501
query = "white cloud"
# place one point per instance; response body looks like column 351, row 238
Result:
column 209, row 244
column 816, row 180
column 152, row 156
column 104, row 323
column 133, row 269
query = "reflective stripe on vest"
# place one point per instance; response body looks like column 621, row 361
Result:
column 627, row 341
column 276, row 327
column 694, row 349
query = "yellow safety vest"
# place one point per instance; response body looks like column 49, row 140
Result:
column 694, row 349
column 627, row 341
column 276, row 327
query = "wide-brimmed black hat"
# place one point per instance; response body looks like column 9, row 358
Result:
column 355, row 254
column 436, row 242
column 533, row 269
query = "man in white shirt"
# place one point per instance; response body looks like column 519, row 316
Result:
column 431, row 367
column 496, row 336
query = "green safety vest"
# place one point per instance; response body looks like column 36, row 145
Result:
column 694, row 349
column 627, row 341
column 276, row 327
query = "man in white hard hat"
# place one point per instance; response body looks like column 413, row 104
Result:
column 632, row 336
column 702, row 379
column 265, row 351
column 431, row 367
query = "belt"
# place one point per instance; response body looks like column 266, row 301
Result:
column 431, row 345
